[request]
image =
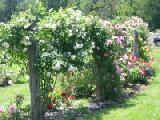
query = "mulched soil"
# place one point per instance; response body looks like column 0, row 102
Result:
column 73, row 113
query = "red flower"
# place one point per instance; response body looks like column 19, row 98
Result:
column 134, row 58
column 71, row 97
column 129, row 55
column 130, row 61
column 50, row 106
column 63, row 94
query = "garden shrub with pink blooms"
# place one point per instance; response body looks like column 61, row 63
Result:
column 78, row 52
column 134, row 70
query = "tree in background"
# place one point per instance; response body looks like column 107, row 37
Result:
column 107, row 9
column 149, row 11
column 125, row 8
column 55, row 4
column 7, row 7
column 146, row 9
column 2, row 8
column 103, row 8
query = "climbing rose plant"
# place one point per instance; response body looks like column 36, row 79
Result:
column 68, row 41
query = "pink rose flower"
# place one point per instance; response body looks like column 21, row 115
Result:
column 12, row 109
column 2, row 109
column 119, row 70
column 125, row 57
column 109, row 42
column 115, row 62
column 130, row 65
column 142, row 72
column 121, row 38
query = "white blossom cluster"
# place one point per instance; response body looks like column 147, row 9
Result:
column 106, row 24
column 26, row 42
column 24, row 19
column 5, row 45
column 135, row 22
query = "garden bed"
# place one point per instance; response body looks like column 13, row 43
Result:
column 76, row 113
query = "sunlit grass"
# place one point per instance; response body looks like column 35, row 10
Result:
column 7, row 94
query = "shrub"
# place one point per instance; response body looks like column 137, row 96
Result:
column 5, row 81
column 84, row 91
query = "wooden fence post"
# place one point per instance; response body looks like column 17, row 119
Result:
column 136, row 45
column 34, row 82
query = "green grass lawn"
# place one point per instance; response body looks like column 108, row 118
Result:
column 143, row 107
column 7, row 94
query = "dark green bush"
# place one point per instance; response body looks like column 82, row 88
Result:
column 84, row 91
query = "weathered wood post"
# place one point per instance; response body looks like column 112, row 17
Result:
column 100, row 85
column 34, row 82
column 136, row 45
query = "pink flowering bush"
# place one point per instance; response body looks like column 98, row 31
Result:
column 133, row 69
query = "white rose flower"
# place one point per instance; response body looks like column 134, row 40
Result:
column 27, row 25
column 48, row 74
column 41, row 41
column 10, row 82
column 50, row 10
column 47, row 25
column 75, row 47
column 27, row 43
column 77, row 30
column 57, row 67
column 122, row 78
column 78, row 14
column 78, row 46
column 5, row 44
column 91, row 51
column 98, row 48
column 93, row 45
column 69, row 53
column 1, row 23
column 54, row 26
column 72, row 69
column 73, row 57
column 46, row 54
column 70, row 32
column 25, row 50
column 27, row 37
column 28, row 77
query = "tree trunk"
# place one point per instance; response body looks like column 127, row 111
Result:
column 34, row 82
column 136, row 45
column 100, row 89
column 100, row 96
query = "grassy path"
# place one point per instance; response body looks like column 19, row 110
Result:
column 7, row 94
column 143, row 107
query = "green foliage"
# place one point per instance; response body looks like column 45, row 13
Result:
column 7, row 8
column 84, row 91
column 148, row 9
column 124, row 9
column 135, row 77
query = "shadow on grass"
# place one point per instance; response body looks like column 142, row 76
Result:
column 128, row 103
